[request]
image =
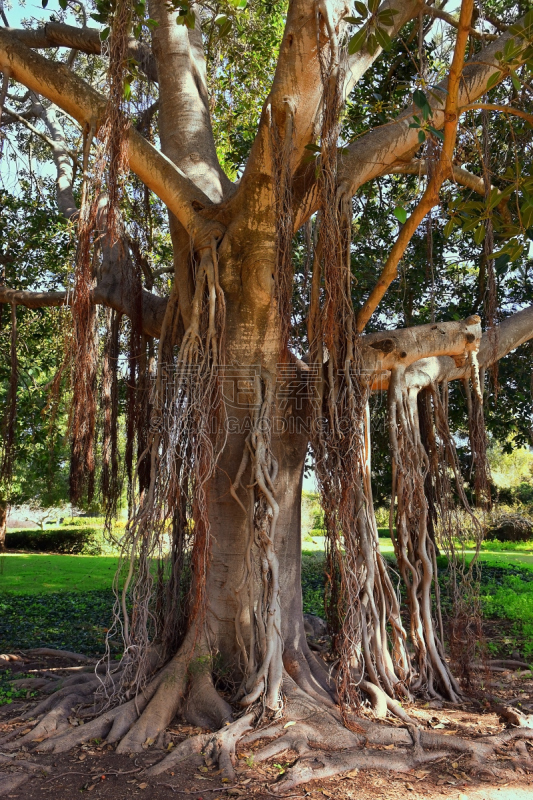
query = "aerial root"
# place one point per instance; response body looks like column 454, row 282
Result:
column 215, row 748
column 382, row 703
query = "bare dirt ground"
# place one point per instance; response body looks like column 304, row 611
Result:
column 97, row 769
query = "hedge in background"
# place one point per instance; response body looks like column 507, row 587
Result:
column 73, row 541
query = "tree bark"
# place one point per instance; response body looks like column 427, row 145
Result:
column 4, row 509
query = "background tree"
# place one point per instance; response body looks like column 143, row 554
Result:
column 220, row 442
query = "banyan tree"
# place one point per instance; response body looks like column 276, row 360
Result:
column 224, row 400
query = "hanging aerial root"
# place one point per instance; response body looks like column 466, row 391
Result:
column 415, row 551
column 263, row 669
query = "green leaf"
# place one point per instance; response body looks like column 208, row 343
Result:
column 383, row 38
column 501, row 262
column 494, row 198
column 419, row 98
column 45, row 3
column 190, row 20
column 401, row 214
column 516, row 252
column 516, row 83
column 361, row 9
column 372, row 44
column 386, row 17
column 357, row 41
column 448, row 228
column 180, row 19
column 105, row 34
column 421, row 136
column 314, row 147
column 493, row 80
column 437, row 133
column 479, row 234
column 127, row 90
column 63, row 4
column 373, row 6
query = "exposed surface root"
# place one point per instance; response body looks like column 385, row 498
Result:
column 8, row 783
column 320, row 764
column 162, row 698
column 216, row 748
column 312, row 735
column 204, row 707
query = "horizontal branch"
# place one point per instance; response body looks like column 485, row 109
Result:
column 75, row 96
column 21, row 297
column 87, row 40
column 517, row 112
column 419, row 166
column 495, row 344
column 384, row 350
column 107, row 294
column 439, row 13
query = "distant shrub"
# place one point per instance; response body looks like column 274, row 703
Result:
column 508, row 527
column 73, row 541
column 84, row 522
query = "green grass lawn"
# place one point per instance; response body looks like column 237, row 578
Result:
column 36, row 573
column 65, row 601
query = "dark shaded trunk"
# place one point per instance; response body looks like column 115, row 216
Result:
column 3, row 525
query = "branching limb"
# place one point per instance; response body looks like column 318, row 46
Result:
column 86, row 40
column 83, row 103
column 110, row 294
column 181, row 69
column 439, row 13
column 517, row 112
column 32, row 299
column 63, row 159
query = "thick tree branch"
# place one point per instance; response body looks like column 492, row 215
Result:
column 385, row 349
column 184, row 114
column 359, row 62
column 86, row 40
column 495, row 344
column 21, row 297
column 108, row 293
column 84, row 104
column 297, row 90
column 62, row 159
column 443, row 168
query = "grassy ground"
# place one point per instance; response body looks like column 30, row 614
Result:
column 65, row 601
column 36, row 573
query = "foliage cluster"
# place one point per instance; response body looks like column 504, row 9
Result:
column 73, row 541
